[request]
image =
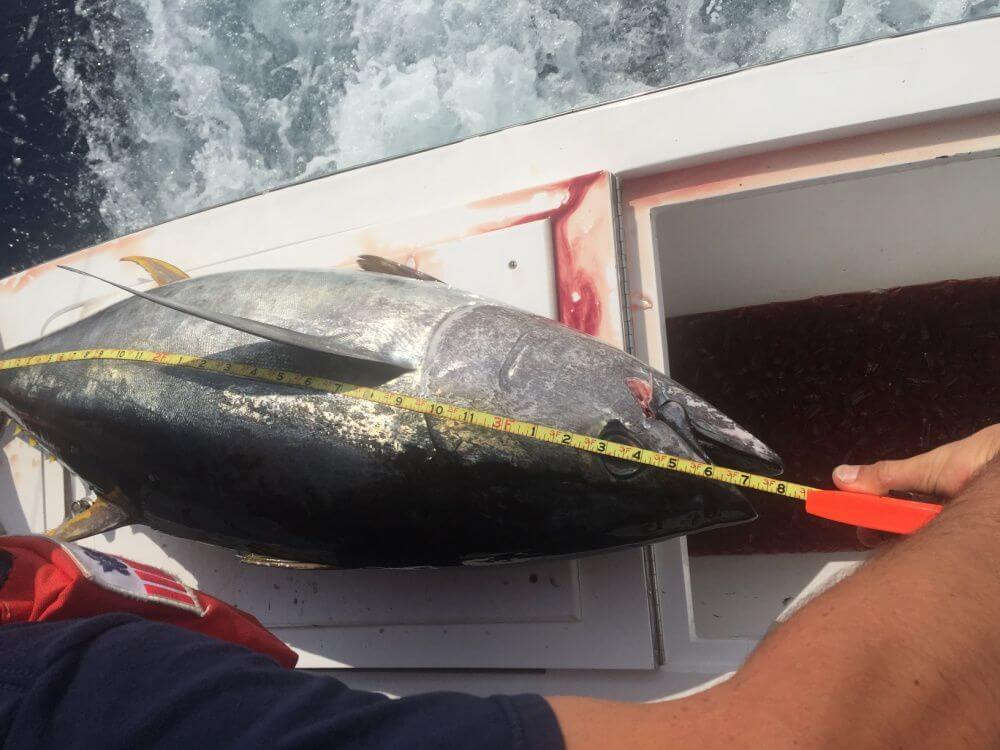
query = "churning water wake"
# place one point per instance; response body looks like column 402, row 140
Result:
column 167, row 106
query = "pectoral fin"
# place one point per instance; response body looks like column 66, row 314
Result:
column 162, row 272
column 101, row 516
column 252, row 558
column 387, row 363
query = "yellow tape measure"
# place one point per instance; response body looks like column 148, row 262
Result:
column 432, row 408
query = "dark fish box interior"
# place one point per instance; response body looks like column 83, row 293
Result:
column 845, row 321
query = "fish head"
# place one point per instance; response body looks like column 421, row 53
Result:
column 638, row 406
column 646, row 409
column 538, row 371
column 629, row 403
column 708, row 431
column 555, row 376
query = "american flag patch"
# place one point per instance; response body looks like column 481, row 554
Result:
column 134, row 580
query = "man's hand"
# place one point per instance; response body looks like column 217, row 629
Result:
column 942, row 473
column 903, row 653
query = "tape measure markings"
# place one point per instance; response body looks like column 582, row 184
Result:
column 432, row 408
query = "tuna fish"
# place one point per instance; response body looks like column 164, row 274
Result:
column 288, row 476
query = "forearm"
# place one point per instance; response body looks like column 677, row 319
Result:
column 904, row 653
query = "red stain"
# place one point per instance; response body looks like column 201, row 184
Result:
column 521, row 196
column 129, row 245
column 577, row 289
column 14, row 283
column 573, row 191
column 841, row 156
column 579, row 300
column 642, row 392
column 579, row 262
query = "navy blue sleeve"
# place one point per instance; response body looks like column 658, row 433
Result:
column 118, row 681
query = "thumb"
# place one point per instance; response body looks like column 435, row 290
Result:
column 918, row 474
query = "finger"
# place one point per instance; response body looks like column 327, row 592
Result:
column 872, row 537
column 917, row 474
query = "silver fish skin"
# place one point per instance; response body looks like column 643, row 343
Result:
column 286, row 473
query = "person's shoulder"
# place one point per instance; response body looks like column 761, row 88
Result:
column 39, row 658
column 28, row 648
column 133, row 674
column 127, row 670
column 32, row 649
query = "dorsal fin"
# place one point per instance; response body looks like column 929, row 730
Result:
column 378, row 264
column 266, row 330
column 163, row 273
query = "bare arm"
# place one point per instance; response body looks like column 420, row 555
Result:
column 904, row 653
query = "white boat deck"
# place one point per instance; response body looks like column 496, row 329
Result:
column 785, row 176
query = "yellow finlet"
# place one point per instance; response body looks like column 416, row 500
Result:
column 102, row 515
column 252, row 558
column 162, row 272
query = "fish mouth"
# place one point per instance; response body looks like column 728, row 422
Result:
column 739, row 456
column 709, row 432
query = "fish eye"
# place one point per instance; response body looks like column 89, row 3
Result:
column 615, row 432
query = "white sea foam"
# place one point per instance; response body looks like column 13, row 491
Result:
column 187, row 103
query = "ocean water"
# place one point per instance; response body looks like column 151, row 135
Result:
column 119, row 114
